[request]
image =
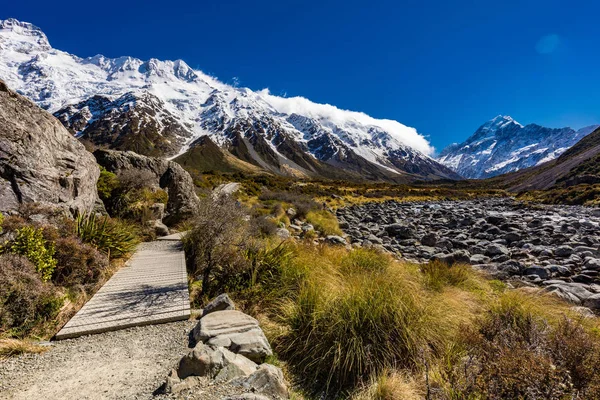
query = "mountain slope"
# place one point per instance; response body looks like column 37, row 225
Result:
column 580, row 164
column 161, row 108
column 502, row 145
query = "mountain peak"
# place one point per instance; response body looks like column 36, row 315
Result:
column 23, row 36
column 503, row 145
column 501, row 121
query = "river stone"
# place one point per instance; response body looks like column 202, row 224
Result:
column 235, row 331
column 592, row 302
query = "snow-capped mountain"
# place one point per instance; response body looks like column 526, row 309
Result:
column 164, row 108
column 503, row 145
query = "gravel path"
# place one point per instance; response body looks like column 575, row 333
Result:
column 126, row 364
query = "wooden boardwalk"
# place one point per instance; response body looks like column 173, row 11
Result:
column 151, row 289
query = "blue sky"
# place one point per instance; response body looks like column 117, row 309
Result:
column 444, row 67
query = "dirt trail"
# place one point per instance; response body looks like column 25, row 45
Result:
column 126, row 364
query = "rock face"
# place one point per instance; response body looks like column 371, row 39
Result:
column 557, row 247
column 169, row 175
column 40, row 161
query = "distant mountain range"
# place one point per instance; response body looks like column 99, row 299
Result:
column 167, row 109
column 502, row 145
column 580, row 164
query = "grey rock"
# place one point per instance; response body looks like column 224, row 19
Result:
column 220, row 303
column 592, row 263
column 496, row 250
column 400, row 231
column 168, row 175
column 307, row 228
column 214, row 362
column 282, row 233
column 40, row 161
column 563, row 251
column 226, row 189
column 235, row 331
column 542, row 272
column 429, row 239
column 159, row 228
column 267, row 380
column 333, row 239
column 592, row 302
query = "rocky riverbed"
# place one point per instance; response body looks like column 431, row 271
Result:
column 557, row 247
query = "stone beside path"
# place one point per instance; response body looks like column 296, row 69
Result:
column 151, row 289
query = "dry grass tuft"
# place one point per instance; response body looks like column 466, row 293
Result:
column 15, row 347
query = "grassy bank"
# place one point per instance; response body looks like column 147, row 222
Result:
column 356, row 323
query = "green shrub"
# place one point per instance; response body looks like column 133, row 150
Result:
column 25, row 300
column 107, row 183
column 78, row 263
column 1, row 221
column 111, row 236
column 30, row 242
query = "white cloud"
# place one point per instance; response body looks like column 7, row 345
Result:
column 300, row 105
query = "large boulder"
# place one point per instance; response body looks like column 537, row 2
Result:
column 235, row 331
column 168, row 175
column 40, row 161
column 214, row 362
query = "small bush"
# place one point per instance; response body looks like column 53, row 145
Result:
column 324, row 222
column 1, row 221
column 391, row 386
column 25, row 299
column 262, row 226
column 30, row 242
column 515, row 352
column 111, row 236
column 78, row 263
column 213, row 246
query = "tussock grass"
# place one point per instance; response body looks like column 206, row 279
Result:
column 360, row 324
column 357, row 314
column 391, row 385
column 324, row 222
column 15, row 347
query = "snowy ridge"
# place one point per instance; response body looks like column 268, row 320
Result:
column 503, row 145
column 200, row 105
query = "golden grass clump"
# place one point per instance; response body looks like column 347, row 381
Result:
column 15, row 347
column 359, row 313
column 324, row 222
